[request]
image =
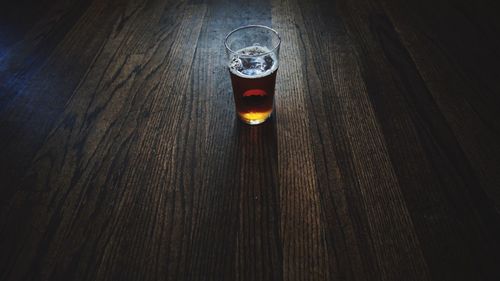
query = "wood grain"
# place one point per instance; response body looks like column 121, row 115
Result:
column 122, row 158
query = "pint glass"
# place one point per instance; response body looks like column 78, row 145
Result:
column 253, row 53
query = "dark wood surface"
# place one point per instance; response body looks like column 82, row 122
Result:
column 121, row 157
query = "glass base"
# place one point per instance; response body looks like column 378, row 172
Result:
column 254, row 118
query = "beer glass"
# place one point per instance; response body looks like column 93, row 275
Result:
column 253, row 53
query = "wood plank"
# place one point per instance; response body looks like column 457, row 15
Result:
column 235, row 165
column 303, row 237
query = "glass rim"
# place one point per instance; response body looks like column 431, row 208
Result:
column 251, row 26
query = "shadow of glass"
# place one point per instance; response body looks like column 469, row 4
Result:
column 259, row 208
column 257, row 151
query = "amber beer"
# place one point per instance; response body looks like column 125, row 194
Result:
column 253, row 80
column 253, row 71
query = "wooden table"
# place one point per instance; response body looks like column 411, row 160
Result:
column 121, row 157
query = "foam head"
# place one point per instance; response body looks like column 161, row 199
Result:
column 253, row 62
